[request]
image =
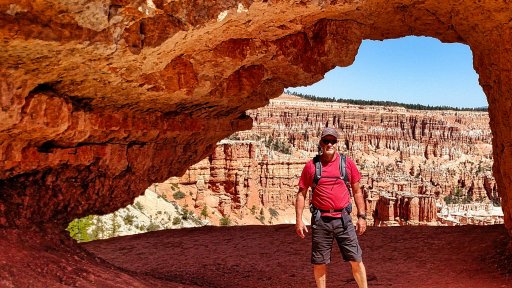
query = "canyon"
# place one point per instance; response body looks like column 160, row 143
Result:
column 410, row 160
column 126, row 93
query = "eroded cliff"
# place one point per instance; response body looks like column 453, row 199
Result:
column 413, row 162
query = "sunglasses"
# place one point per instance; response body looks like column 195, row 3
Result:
column 327, row 141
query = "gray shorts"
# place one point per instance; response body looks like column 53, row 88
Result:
column 325, row 230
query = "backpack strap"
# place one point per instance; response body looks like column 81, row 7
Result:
column 316, row 178
column 318, row 172
column 344, row 174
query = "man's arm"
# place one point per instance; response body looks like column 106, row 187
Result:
column 300, row 201
column 361, row 207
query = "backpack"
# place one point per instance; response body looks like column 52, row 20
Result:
column 343, row 172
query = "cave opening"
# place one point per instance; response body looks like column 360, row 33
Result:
column 430, row 176
column 432, row 159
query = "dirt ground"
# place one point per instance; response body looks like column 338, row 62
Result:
column 258, row 256
column 273, row 256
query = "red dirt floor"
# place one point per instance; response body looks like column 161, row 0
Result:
column 259, row 256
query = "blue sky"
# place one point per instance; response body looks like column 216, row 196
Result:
column 415, row 70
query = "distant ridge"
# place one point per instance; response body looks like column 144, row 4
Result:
column 383, row 103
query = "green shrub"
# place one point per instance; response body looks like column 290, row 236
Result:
column 449, row 199
column 128, row 219
column 178, row 195
column 185, row 214
column 273, row 212
column 234, row 136
column 78, row 229
column 204, row 212
column 277, row 145
column 152, row 227
column 176, row 220
column 457, row 197
column 114, row 227
column 225, row 221
column 98, row 232
column 139, row 206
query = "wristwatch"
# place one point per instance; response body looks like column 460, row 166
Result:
column 362, row 216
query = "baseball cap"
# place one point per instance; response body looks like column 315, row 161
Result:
column 329, row 131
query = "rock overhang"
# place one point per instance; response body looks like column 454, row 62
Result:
column 101, row 100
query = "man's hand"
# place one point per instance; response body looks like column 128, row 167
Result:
column 300, row 228
column 360, row 226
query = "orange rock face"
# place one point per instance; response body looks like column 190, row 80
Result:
column 126, row 93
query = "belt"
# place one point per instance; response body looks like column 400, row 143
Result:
column 312, row 208
column 327, row 211
column 331, row 210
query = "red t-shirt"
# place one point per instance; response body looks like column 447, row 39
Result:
column 331, row 191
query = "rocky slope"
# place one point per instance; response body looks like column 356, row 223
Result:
column 149, row 212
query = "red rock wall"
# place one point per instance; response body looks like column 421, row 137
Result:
column 237, row 178
column 126, row 93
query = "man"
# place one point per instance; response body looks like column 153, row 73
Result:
column 331, row 211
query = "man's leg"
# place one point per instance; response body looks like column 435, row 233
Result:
column 320, row 271
column 346, row 238
column 321, row 249
column 359, row 273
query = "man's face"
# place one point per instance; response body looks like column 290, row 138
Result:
column 328, row 144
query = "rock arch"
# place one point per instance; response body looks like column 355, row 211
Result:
column 98, row 102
